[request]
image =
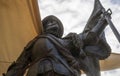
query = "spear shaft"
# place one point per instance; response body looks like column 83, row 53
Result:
column 108, row 19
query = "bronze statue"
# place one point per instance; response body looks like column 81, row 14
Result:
column 51, row 55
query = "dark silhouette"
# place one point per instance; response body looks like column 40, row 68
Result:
column 51, row 55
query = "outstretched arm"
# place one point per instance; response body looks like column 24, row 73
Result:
column 92, row 36
column 94, row 40
column 18, row 67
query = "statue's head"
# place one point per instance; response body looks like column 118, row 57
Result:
column 52, row 25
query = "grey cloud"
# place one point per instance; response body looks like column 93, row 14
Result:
column 115, row 2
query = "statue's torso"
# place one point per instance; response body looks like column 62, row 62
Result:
column 53, row 59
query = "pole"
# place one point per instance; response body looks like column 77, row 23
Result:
column 108, row 19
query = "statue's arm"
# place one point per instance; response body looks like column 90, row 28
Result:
column 97, row 47
column 92, row 36
column 18, row 67
column 100, row 51
column 94, row 40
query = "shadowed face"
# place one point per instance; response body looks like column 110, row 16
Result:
column 52, row 25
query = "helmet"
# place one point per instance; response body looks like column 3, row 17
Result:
column 52, row 25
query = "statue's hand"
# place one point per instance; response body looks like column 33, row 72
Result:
column 10, row 73
column 15, row 72
column 14, row 69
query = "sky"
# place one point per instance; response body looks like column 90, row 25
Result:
column 74, row 15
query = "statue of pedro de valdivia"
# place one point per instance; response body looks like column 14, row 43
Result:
column 49, row 54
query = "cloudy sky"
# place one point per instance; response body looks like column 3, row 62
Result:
column 74, row 15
